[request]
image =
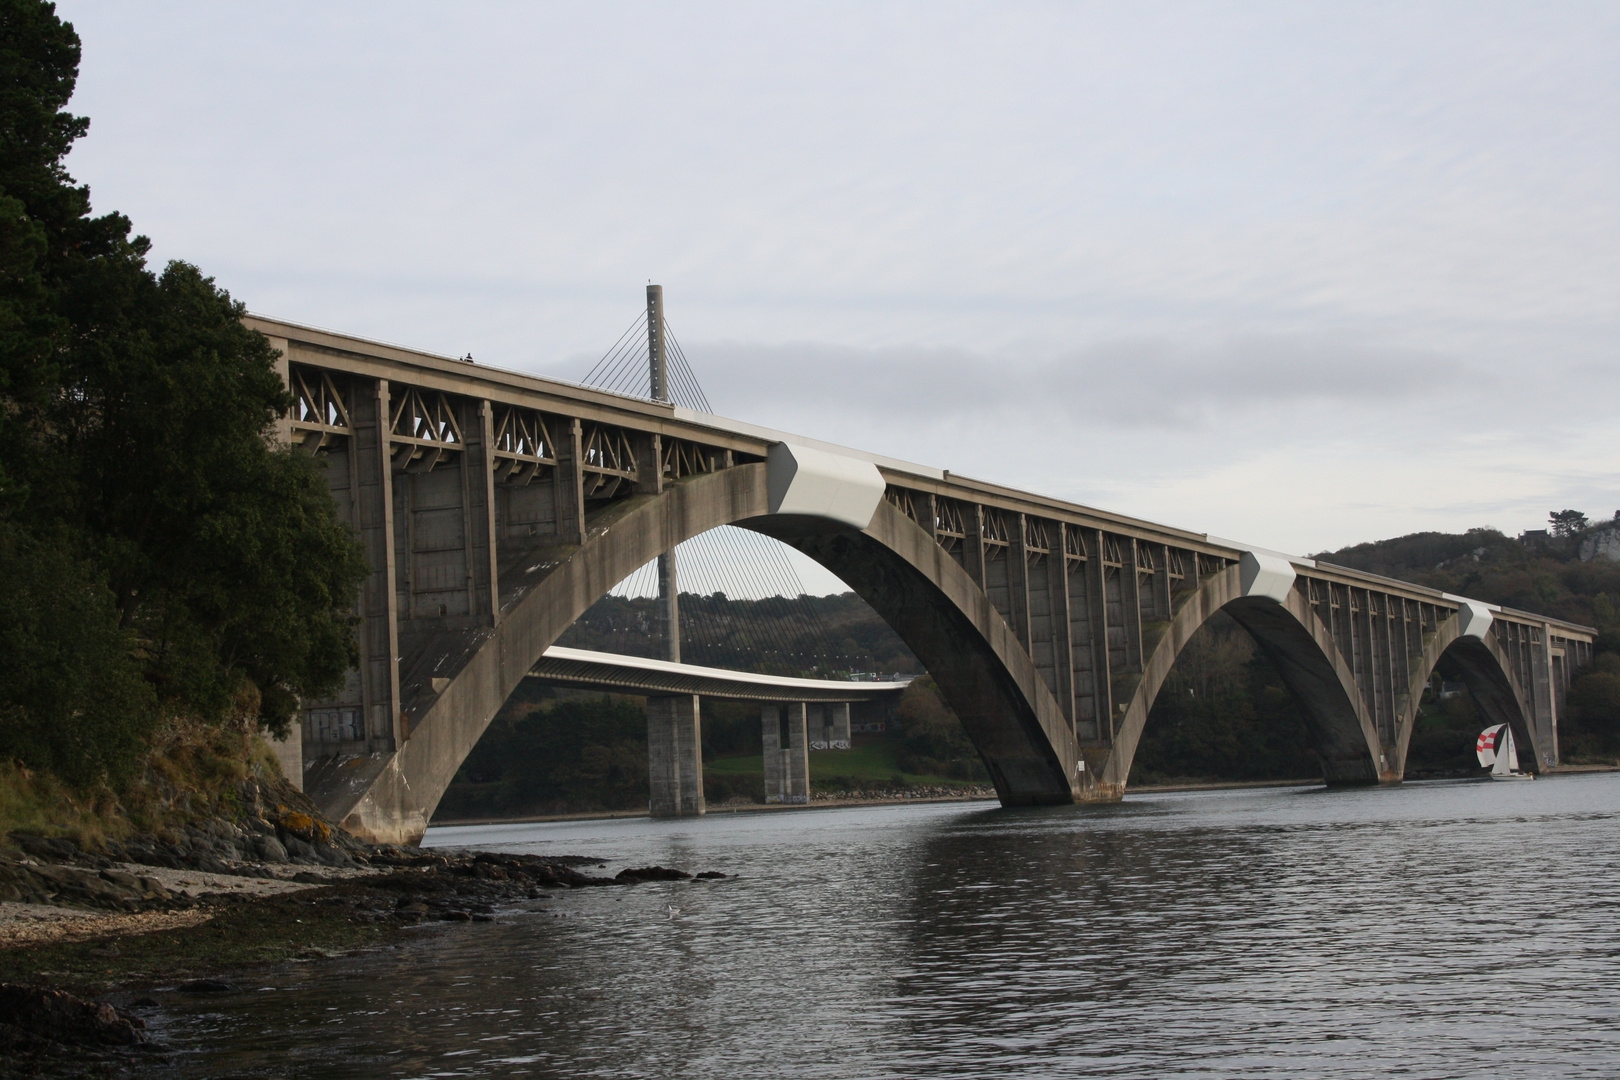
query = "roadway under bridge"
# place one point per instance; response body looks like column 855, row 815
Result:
column 796, row 716
column 496, row 507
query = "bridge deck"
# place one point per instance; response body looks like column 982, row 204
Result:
column 495, row 507
column 584, row 669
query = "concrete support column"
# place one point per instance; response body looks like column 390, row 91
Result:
column 840, row 725
column 675, row 756
column 669, row 607
column 379, row 598
column 796, row 756
column 770, row 738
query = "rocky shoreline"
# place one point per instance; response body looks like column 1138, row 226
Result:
column 93, row 937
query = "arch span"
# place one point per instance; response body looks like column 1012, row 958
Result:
column 1293, row 637
column 494, row 507
column 933, row 604
column 1487, row 671
column 979, row 660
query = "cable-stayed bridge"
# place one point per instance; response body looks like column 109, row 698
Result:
column 495, row 508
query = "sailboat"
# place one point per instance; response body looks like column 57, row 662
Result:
column 1496, row 751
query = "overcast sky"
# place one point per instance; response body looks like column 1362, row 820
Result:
column 1300, row 274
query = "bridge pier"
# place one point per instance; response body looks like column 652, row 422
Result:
column 675, row 756
column 784, row 739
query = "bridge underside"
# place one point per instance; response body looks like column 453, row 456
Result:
column 495, row 512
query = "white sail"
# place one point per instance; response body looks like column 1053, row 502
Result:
column 1495, row 749
column 1505, row 763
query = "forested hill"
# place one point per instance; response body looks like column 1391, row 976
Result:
column 1544, row 573
column 802, row 636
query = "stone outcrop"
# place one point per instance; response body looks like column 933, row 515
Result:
column 30, row 1014
column 1601, row 544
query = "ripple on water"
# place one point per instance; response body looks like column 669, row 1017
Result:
column 1431, row 930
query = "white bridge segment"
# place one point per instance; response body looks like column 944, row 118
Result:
column 805, row 480
column 1473, row 617
column 640, row 674
column 1266, row 575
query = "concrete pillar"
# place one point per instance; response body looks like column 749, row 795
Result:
column 379, row 597
column 674, row 756
column 770, row 738
column 796, row 756
column 657, row 365
column 815, row 725
column 840, row 724
column 669, row 604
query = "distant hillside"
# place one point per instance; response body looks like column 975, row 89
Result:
column 804, row 635
column 1541, row 574
column 1568, row 572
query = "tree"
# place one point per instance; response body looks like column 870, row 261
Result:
column 157, row 552
column 1566, row 522
column 72, row 697
column 932, row 739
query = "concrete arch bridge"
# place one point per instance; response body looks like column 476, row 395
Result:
column 496, row 507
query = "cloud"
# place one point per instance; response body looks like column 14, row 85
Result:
column 1143, row 382
column 1304, row 274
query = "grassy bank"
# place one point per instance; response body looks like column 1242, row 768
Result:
column 189, row 772
column 870, row 764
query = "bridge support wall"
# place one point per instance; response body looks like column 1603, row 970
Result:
column 796, row 756
column 771, row 743
column 675, row 756
column 785, row 741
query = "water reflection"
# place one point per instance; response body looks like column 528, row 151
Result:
column 1430, row 930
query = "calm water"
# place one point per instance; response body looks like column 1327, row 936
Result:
column 1431, row 930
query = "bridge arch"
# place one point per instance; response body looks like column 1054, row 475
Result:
column 1488, row 672
column 495, row 507
column 981, row 667
column 1291, row 634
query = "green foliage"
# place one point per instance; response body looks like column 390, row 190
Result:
column 933, row 741
column 1593, row 729
column 1443, row 738
column 1223, row 713
column 1566, row 522
column 575, row 754
column 770, row 636
column 72, row 699
column 873, row 764
column 730, row 728
column 185, row 564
